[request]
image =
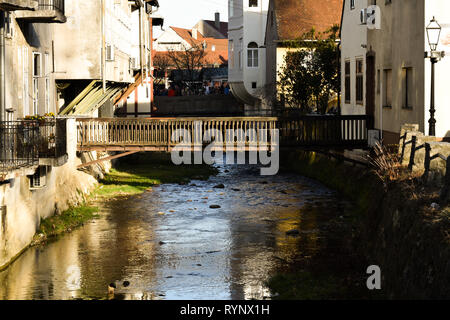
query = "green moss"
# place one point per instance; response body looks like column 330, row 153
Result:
column 67, row 221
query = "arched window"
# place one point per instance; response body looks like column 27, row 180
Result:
column 252, row 55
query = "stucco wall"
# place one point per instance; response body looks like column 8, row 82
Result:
column 80, row 58
column 248, row 24
column 25, row 208
column 353, row 37
column 399, row 44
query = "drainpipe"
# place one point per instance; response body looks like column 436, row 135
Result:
column 381, row 107
column 103, row 65
column 141, row 53
column 2, row 67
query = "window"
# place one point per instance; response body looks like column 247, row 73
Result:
column 252, row 55
column 26, row 84
column 35, row 96
column 109, row 52
column 47, row 95
column 241, row 48
column 252, row 3
column 359, row 81
column 37, row 73
column 408, row 92
column 231, row 58
column 378, row 81
column 352, row 4
column 39, row 179
column 347, row 82
column 231, row 8
column 254, row 85
column 387, row 88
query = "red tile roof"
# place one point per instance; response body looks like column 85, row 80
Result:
column 294, row 18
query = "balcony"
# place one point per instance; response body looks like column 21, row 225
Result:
column 25, row 144
column 48, row 11
column 12, row 5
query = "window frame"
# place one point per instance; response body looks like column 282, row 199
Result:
column 252, row 55
column 387, row 86
column 359, row 81
column 407, row 85
column 347, row 82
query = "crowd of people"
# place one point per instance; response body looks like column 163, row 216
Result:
column 208, row 88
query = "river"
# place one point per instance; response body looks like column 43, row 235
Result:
column 169, row 244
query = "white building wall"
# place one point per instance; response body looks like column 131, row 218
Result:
column 246, row 25
column 170, row 40
column 353, row 37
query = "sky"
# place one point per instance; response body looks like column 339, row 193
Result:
column 186, row 13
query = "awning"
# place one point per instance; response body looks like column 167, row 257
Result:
column 92, row 98
column 131, row 88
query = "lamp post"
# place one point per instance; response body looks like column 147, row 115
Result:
column 433, row 34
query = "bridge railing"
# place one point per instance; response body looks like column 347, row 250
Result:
column 326, row 131
column 312, row 131
column 168, row 133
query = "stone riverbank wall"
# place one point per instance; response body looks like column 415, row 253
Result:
column 395, row 227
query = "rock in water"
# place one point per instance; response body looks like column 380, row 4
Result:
column 214, row 206
column 126, row 283
column 219, row 186
column 293, row 233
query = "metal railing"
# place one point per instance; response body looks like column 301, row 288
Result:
column 325, row 131
column 23, row 143
column 18, row 147
column 57, row 5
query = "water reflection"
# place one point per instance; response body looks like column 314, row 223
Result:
column 169, row 243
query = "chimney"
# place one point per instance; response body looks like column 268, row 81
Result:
column 195, row 33
column 218, row 20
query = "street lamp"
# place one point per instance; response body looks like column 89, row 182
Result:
column 433, row 34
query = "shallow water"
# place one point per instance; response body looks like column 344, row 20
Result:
column 169, row 244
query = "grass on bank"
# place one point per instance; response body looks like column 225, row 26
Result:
column 304, row 286
column 70, row 219
column 132, row 175
column 138, row 173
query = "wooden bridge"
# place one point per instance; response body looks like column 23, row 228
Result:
column 237, row 133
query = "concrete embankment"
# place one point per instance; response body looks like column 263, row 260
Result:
column 399, row 227
column 23, row 207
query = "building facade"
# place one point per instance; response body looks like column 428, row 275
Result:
column 390, row 78
column 247, row 57
column 103, row 55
